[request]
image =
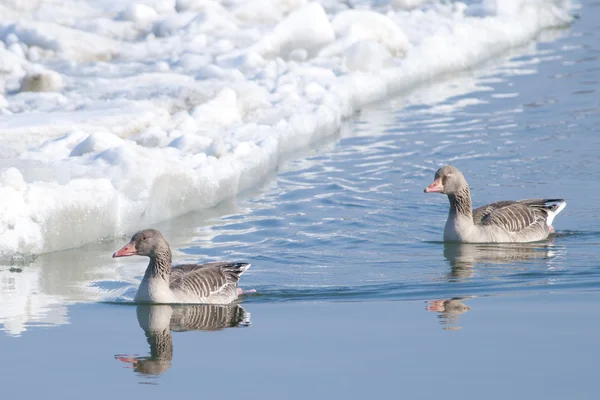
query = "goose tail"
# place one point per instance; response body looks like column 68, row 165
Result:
column 555, row 206
column 236, row 268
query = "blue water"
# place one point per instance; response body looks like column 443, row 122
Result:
column 356, row 294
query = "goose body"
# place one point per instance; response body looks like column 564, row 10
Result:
column 503, row 221
column 211, row 283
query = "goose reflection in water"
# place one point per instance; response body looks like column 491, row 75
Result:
column 462, row 257
column 449, row 311
column 158, row 321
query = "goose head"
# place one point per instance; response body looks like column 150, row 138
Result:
column 144, row 243
column 448, row 180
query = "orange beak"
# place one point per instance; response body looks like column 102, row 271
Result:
column 129, row 360
column 128, row 250
column 435, row 187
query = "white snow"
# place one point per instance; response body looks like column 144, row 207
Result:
column 154, row 108
column 306, row 28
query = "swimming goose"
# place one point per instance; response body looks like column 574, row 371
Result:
column 212, row 283
column 503, row 221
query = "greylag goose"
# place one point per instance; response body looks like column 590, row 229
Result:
column 211, row 283
column 503, row 221
column 158, row 321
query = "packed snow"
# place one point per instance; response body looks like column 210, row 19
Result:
column 116, row 115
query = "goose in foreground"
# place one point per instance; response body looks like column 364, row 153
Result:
column 212, row 283
column 503, row 221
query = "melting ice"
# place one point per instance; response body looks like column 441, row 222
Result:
column 115, row 115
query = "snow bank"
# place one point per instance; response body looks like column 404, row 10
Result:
column 157, row 108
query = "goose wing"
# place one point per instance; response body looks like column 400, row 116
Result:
column 482, row 212
column 517, row 216
column 206, row 280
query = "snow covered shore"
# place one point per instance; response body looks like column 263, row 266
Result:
column 115, row 115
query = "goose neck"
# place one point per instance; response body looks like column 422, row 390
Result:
column 160, row 265
column 460, row 203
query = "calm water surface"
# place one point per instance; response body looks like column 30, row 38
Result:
column 357, row 295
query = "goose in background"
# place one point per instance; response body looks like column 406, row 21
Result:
column 503, row 221
column 158, row 321
column 211, row 283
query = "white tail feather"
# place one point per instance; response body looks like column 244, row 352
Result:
column 554, row 213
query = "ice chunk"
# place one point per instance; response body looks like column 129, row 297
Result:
column 95, row 143
column 306, row 29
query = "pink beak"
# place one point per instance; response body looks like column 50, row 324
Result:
column 128, row 250
column 435, row 187
column 130, row 360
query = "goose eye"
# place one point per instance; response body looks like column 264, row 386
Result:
column 144, row 238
